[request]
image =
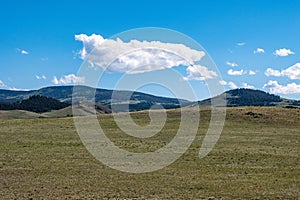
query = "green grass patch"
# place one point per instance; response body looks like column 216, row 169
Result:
column 257, row 157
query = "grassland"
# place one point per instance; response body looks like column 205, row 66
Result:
column 257, row 157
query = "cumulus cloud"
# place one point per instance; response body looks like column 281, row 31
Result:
column 259, row 51
column 235, row 73
column 251, row 72
column 230, row 84
column 275, row 88
column 89, row 43
column 4, row 86
column 245, row 85
column 283, row 52
column 198, row 72
column 40, row 77
column 272, row 72
column 222, row 82
column 231, row 64
column 241, row 43
column 68, row 79
column 292, row 72
column 135, row 56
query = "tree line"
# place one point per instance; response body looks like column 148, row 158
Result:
column 248, row 97
column 36, row 103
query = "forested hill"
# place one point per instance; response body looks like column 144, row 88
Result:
column 136, row 100
column 246, row 97
column 250, row 97
column 56, row 97
column 36, row 103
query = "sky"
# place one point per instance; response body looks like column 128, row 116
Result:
column 254, row 44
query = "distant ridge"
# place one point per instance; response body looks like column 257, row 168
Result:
column 138, row 100
column 250, row 97
column 141, row 101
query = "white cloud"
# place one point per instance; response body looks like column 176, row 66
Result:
column 241, row 43
column 275, row 88
column 272, row 72
column 251, row 72
column 245, row 85
column 231, row 64
column 232, row 85
column 292, row 72
column 198, row 72
column 135, row 56
column 2, row 84
column 18, row 89
column 259, row 51
column 89, row 43
column 68, row 79
column 283, row 52
column 222, row 82
column 40, row 77
column 24, row 52
column 235, row 73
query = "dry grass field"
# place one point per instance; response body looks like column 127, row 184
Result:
column 257, row 157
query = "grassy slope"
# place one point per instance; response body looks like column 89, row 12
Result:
column 18, row 114
column 64, row 112
column 257, row 157
column 59, row 113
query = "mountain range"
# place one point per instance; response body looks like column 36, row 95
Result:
column 119, row 103
column 136, row 100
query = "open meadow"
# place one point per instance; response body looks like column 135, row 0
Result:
column 256, row 157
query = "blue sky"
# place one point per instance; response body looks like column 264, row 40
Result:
column 254, row 44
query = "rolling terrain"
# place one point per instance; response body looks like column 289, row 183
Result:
column 250, row 97
column 124, row 101
column 137, row 100
column 55, row 102
column 256, row 157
